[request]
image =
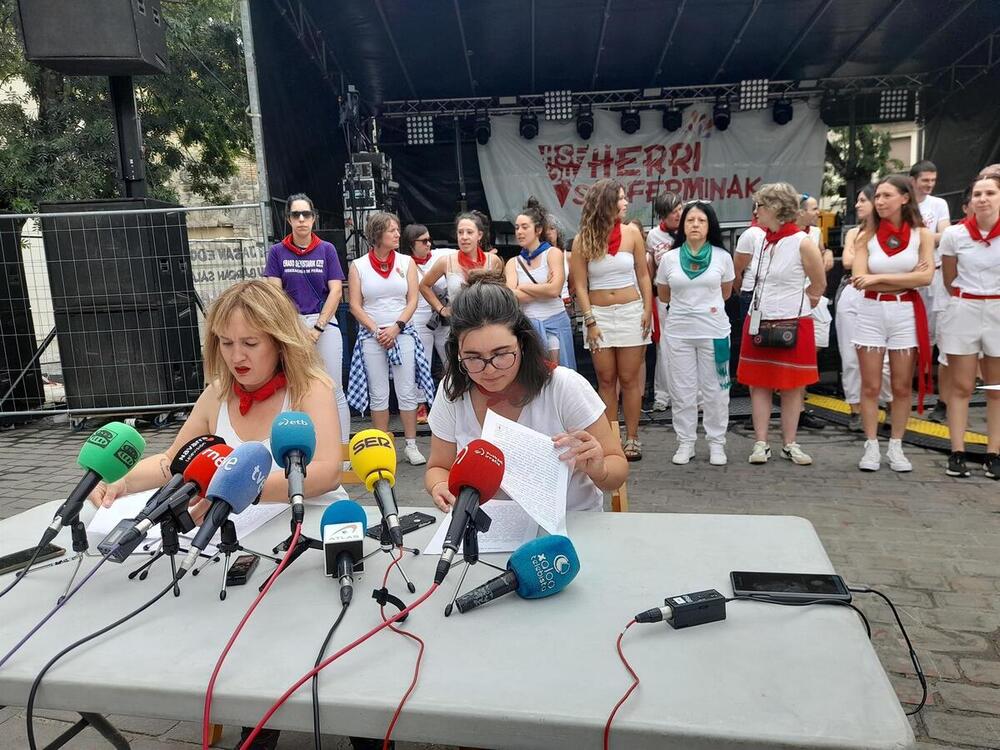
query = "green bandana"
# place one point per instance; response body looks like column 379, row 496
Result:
column 721, row 347
column 695, row 264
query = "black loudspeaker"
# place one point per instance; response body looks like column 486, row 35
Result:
column 125, row 306
column 17, row 334
column 95, row 37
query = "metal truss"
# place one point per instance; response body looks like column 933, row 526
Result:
column 976, row 62
column 310, row 36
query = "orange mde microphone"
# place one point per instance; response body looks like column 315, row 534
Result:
column 474, row 478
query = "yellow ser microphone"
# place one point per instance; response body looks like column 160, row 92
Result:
column 373, row 458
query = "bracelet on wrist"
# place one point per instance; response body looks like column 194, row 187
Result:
column 319, row 328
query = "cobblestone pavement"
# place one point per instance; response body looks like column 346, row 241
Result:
column 931, row 543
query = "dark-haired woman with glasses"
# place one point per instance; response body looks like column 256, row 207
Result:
column 309, row 271
column 496, row 362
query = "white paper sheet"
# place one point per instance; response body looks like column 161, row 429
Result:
column 511, row 527
column 533, row 474
column 128, row 506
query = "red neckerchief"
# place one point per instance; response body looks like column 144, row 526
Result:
column 514, row 389
column 313, row 242
column 469, row 265
column 785, row 230
column 892, row 240
column 421, row 261
column 382, row 267
column 663, row 227
column 973, row 226
column 249, row 398
column 615, row 238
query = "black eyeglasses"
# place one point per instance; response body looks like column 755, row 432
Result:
column 300, row 214
column 501, row 361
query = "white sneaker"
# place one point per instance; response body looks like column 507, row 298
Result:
column 897, row 461
column 761, row 453
column 413, row 455
column 661, row 405
column 717, row 454
column 794, row 453
column 685, row 452
column 872, row 460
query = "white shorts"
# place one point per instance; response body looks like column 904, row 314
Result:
column 885, row 325
column 970, row 326
column 621, row 325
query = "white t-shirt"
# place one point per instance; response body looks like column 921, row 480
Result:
column 697, row 310
column 751, row 242
column 567, row 402
column 658, row 242
column 978, row 264
column 933, row 210
column 383, row 299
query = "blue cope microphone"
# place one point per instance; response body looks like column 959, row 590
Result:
column 536, row 569
column 343, row 532
column 293, row 442
column 236, row 485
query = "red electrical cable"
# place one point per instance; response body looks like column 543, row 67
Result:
column 633, row 686
column 206, row 725
column 416, row 668
column 330, row 659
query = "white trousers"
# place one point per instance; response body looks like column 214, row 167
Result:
column 692, row 372
column 433, row 341
column 847, row 316
column 661, row 384
column 331, row 351
column 403, row 376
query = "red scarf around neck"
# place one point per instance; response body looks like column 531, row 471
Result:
column 972, row 225
column 663, row 227
column 465, row 262
column 892, row 240
column 382, row 267
column 290, row 244
column 785, row 230
column 249, row 398
column 421, row 261
column 615, row 238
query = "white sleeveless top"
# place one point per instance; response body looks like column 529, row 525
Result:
column 612, row 271
column 540, row 309
column 455, row 278
column 781, row 279
column 224, row 429
column 902, row 262
column 439, row 285
column 383, row 299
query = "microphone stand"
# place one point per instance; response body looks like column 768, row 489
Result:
column 470, row 556
column 228, row 544
column 172, row 526
column 386, row 546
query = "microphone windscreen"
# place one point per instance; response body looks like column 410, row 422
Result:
column 192, row 448
column 202, row 467
column 478, row 465
column 373, row 457
column 292, row 431
column 544, row 566
column 112, row 451
column 344, row 511
column 239, row 480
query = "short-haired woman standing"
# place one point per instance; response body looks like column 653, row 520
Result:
column 660, row 240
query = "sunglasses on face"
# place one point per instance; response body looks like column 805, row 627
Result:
column 300, row 214
column 424, row 239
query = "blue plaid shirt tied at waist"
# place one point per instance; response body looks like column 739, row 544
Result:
column 357, row 384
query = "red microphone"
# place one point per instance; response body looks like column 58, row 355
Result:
column 474, row 478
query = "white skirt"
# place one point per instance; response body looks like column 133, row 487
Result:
column 621, row 325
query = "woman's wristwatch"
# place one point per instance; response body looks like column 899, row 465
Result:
column 400, row 324
column 319, row 328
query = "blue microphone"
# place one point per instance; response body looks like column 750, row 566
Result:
column 293, row 442
column 536, row 569
column 343, row 533
column 236, row 485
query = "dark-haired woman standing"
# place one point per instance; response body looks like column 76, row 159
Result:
column 496, row 362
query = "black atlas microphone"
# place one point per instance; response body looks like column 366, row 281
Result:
column 474, row 479
column 293, row 442
column 373, row 459
column 343, row 532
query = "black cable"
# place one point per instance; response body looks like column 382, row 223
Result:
column 913, row 654
column 23, row 571
column 29, row 709
column 317, row 740
column 788, row 603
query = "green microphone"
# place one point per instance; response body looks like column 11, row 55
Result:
column 109, row 454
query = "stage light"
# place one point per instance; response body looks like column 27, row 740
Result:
column 753, row 93
column 585, row 122
column 482, row 127
column 529, row 125
column 782, row 112
column 559, row 105
column 672, row 118
column 630, row 120
column 720, row 114
column 419, row 130
column 894, row 105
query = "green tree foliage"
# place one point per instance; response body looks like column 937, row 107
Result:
column 193, row 119
column 872, row 157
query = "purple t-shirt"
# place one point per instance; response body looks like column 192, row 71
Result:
column 305, row 278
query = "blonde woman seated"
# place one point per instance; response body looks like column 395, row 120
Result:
column 259, row 361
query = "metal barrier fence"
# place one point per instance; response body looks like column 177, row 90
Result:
column 102, row 311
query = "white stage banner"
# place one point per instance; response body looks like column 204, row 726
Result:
column 696, row 161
